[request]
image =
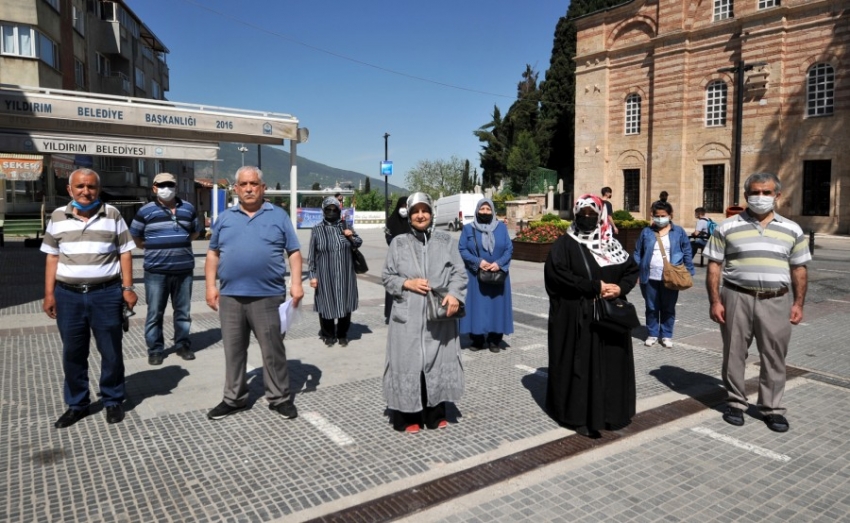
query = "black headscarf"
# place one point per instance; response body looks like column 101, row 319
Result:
column 395, row 223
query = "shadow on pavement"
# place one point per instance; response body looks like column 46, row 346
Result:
column 149, row 383
column 536, row 385
column 205, row 339
column 706, row 389
column 303, row 378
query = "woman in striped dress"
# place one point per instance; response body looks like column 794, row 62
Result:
column 332, row 273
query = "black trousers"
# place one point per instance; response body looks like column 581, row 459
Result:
column 429, row 416
column 492, row 337
column 338, row 330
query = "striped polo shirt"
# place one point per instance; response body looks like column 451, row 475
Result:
column 167, row 236
column 88, row 251
column 758, row 258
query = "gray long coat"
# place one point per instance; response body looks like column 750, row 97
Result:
column 415, row 345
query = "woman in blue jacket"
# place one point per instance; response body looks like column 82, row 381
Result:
column 661, row 301
column 485, row 246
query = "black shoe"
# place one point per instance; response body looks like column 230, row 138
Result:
column 222, row 410
column 776, row 422
column 494, row 348
column 114, row 414
column 588, row 433
column 185, row 353
column 329, row 341
column 343, row 342
column 286, row 409
column 70, row 417
column 155, row 358
column 476, row 348
column 734, row 416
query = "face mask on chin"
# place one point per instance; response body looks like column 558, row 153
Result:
column 760, row 204
column 85, row 208
column 166, row 194
column 403, row 212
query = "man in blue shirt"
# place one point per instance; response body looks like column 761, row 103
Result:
column 246, row 252
column 165, row 229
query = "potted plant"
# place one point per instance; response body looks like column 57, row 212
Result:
column 533, row 242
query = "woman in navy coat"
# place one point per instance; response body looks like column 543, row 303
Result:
column 486, row 246
column 661, row 301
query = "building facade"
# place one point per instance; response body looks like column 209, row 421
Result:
column 90, row 46
column 673, row 95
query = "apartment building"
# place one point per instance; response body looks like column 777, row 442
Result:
column 91, row 46
column 690, row 97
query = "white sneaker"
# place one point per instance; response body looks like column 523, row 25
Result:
column 667, row 342
column 650, row 341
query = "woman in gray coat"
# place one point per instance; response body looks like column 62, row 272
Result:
column 423, row 369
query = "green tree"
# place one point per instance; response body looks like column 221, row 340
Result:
column 367, row 186
column 436, row 176
column 524, row 157
column 465, row 182
column 369, row 201
column 493, row 156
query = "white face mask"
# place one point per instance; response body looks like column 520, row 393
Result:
column 761, row 204
column 166, row 194
column 403, row 212
column 661, row 221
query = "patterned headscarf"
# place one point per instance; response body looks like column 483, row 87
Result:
column 488, row 239
column 599, row 241
column 331, row 201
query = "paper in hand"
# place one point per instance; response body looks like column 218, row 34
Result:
column 288, row 314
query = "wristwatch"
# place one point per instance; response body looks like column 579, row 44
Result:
column 129, row 288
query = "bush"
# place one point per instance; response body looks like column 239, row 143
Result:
column 630, row 224
column 547, row 233
column 549, row 217
column 561, row 224
column 622, row 215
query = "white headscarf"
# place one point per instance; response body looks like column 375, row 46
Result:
column 599, row 241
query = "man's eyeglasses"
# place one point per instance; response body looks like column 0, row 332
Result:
column 165, row 184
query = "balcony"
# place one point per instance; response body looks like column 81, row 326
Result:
column 118, row 84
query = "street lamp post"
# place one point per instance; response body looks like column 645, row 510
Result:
column 386, row 183
column 739, row 71
column 242, row 149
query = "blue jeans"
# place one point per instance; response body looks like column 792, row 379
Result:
column 158, row 287
column 78, row 316
column 660, row 308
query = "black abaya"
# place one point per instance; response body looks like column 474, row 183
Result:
column 591, row 373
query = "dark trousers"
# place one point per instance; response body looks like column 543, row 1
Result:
column 340, row 330
column 78, row 316
column 493, row 337
column 429, row 416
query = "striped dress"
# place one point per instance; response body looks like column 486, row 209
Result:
column 330, row 263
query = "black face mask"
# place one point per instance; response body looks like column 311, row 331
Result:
column 586, row 223
column 331, row 215
column 484, row 218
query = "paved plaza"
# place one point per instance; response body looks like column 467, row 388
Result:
column 167, row 462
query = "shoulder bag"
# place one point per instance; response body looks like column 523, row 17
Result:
column 674, row 277
column 618, row 314
column 360, row 266
column 434, row 310
column 488, row 277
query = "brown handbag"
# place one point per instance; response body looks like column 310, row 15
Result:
column 674, row 277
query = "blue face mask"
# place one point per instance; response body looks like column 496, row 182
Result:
column 85, row 208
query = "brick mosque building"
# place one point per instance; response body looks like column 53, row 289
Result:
column 658, row 86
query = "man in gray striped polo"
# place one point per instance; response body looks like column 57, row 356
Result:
column 87, row 280
column 761, row 258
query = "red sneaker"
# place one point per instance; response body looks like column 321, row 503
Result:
column 442, row 424
column 412, row 429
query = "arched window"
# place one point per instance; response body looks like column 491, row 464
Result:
column 633, row 114
column 715, row 104
column 820, row 90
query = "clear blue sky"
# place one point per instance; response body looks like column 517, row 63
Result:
column 328, row 63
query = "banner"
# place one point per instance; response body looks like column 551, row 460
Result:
column 310, row 216
column 21, row 167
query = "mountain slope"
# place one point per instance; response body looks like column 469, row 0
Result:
column 275, row 166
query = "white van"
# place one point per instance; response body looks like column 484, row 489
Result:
column 456, row 210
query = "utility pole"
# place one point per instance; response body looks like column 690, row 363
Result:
column 242, row 149
column 386, row 182
column 739, row 70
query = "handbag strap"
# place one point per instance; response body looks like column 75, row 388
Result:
column 415, row 258
column 584, row 259
column 661, row 246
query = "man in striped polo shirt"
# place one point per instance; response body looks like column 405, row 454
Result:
column 759, row 256
column 165, row 228
column 87, row 280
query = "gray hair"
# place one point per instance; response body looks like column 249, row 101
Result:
column 761, row 178
column 84, row 171
column 249, row 168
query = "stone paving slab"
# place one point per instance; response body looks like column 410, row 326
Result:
column 167, row 462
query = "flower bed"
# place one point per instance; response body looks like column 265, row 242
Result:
column 533, row 244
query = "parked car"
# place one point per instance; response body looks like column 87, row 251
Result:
column 456, row 210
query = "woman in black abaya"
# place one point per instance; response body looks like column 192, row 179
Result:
column 591, row 384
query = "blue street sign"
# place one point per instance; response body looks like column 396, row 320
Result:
column 387, row 168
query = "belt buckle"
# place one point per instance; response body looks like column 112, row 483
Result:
column 84, row 288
